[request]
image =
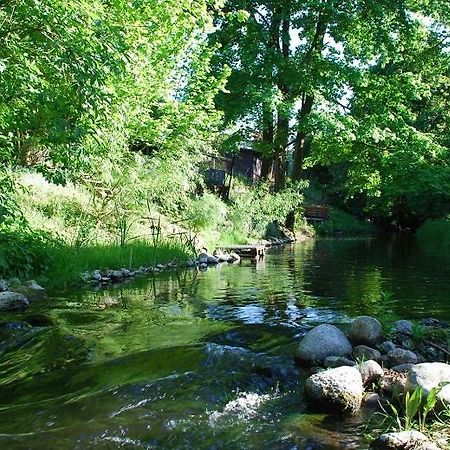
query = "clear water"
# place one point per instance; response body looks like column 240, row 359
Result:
column 203, row 360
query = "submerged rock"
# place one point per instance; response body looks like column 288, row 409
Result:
column 366, row 330
column 403, row 440
column 339, row 389
column 12, row 301
column 323, row 341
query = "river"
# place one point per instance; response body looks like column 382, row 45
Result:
column 203, row 360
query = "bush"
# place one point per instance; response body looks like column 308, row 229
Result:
column 23, row 252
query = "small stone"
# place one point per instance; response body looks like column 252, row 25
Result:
column 365, row 330
column 404, row 327
column 337, row 389
column 116, row 274
column 372, row 400
column 125, row 272
column 212, row 260
column 403, row 440
column 387, row 346
column 96, row 275
column 235, row 257
column 203, row 266
column 160, row 266
column 323, row 341
column 3, row 285
column 402, row 368
column 202, row 258
column 12, row 301
column 392, row 383
column 338, row 361
column 370, row 371
column 366, row 353
column 401, row 356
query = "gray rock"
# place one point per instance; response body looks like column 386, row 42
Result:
column 387, row 346
column 11, row 301
column 236, row 258
column 404, row 327
column 203, row 266
column 366, row 330
column 428, row 376
column 339, row 389
column 403, row 440
column 370, row 371
column 402, row 368
column 202, row 258
column 85, row 276
column 3, row 285
column 366, row 353
column 372, row 400
column 212, row 260
column 125, row 272
column 115, row 274
column 431, row 322
column 408, row 344
column 400, row 356
column 38, row 291
column 323, row 341
column 96, row 275
column 392, row 383
column 338, row 361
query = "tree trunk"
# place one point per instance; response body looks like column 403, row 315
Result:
column 282, row 136
column 302, row 142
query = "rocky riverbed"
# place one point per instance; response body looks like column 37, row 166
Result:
column 360, row 368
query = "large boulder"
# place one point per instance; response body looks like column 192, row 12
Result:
column 403, row 440
column 32, row 291
column 323, row 341
column 428, row 376
column 365, row 330
column 11, row 301
column 339, row 389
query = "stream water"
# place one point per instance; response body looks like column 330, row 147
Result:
column 203, row 360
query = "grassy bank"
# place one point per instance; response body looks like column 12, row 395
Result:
column 67, row 263
column 60, row 231
column 435, row 234
column 342, row 223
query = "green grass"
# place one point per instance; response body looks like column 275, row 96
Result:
column 435, row 234
column 68, row 263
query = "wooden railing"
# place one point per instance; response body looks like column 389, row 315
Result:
column 317, row 213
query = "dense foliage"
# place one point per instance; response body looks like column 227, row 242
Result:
column 356, row 91
column 120, row 101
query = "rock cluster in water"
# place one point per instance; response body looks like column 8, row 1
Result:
column 361, row 367
column 202, row 262
column 15, row 296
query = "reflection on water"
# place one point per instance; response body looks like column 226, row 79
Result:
column 202, row 360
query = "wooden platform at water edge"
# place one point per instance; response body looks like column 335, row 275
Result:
column 246, row 251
